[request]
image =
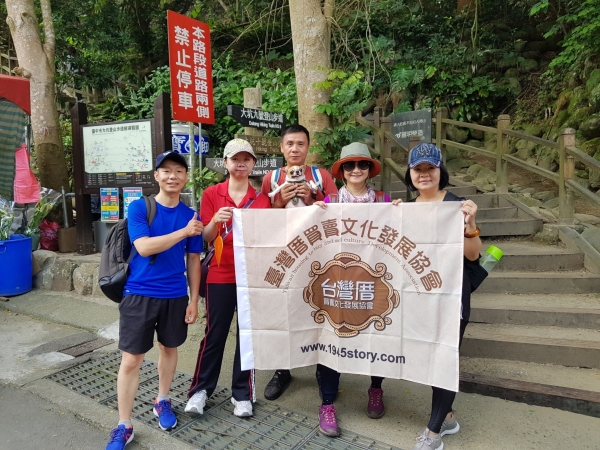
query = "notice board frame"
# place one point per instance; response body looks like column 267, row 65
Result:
column 161, row 142
column 112, row 176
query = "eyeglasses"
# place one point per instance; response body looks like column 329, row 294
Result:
column 350, row 165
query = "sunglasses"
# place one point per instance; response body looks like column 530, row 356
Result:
column 350, row 165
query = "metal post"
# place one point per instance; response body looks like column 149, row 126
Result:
column 502, row 149
column 200, row 145
column 64, row 208
column 386, row 152
column 440, row 131
column 192, row 164
column 566, row 171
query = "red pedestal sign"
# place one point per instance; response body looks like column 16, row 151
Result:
column 191, row 69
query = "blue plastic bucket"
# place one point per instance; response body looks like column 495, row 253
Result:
column 15, row 265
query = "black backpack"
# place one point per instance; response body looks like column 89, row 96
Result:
column 117, row 253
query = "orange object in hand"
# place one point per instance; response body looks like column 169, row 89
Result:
column 218, row 244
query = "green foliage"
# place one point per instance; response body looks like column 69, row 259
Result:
column 134, row 103
column 139, row 104
column 95, row 44
column 582, row 41
column 202, row 179
column 67, row 140
column 470, row 98
column 278, row 95
column 349, row 95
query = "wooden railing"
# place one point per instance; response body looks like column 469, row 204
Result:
column 384, row 141
column 7, row 63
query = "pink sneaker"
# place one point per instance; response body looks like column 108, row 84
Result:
column 327, row 423
column 375, row 408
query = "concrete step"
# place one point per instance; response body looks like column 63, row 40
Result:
column 572, row 282
column 461, row 191
column 521, row 255
column 486, row 200
column 568, row 388
column 510, row 227
column 538, row 344
column 507, row 212
column 574, row 311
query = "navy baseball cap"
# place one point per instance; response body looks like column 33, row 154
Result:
column 425, row 153
column 172, row 156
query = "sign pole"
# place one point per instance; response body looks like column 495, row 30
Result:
column 192, row 142
column 200, row 147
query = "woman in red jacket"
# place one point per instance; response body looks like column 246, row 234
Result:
column 221, row 297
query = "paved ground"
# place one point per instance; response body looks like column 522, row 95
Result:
column 41, row 408
column 29, row 422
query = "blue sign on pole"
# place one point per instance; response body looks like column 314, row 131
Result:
column 181, row 143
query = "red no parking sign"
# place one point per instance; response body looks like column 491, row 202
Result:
column 191, row 69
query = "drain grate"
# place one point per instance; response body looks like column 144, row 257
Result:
column 271, row 426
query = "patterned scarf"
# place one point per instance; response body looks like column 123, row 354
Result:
column 346, row 197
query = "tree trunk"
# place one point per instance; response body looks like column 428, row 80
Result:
column 36, row 62
column 311, row 37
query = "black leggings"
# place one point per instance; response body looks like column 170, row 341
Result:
column 330, row 382
column 442, row 399
column 221, row 303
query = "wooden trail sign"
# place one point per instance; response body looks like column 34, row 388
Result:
column 412, row 123
column 263, row 145
column 261, row 168
column 257, row 118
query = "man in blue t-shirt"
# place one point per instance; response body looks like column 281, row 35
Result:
column 155, row 297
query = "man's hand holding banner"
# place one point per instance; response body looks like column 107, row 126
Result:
column 371, row 289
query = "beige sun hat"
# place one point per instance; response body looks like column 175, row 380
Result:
column 357, row 151
column 236, row 146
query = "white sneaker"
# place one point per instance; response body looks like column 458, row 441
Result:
column 243, row 408
column 196, row 403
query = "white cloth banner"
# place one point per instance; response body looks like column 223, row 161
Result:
column 371, row 289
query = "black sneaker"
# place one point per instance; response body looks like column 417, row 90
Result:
column 281, row 379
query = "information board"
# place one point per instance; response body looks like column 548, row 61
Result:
column 118, row 154
column 109, row 204
column 130, row 194
column 412, row 123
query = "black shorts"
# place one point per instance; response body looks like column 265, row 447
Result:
column 141, row 316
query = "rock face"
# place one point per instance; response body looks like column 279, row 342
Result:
column 477, row 134
column 56, row 275
column 83, row 278
column 525, row 149
column 592, row 235
column 456, row 134
column 590, row 128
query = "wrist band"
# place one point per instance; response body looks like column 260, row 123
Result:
column 473, row 234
